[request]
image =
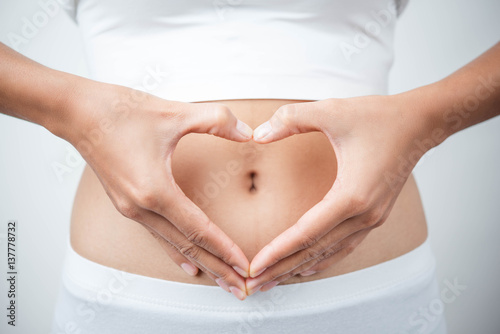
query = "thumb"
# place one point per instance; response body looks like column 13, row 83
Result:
column 288, row 120
column 217, row 119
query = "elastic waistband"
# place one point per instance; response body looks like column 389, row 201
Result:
column 92, row 281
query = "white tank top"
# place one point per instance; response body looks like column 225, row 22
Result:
column 200, row 50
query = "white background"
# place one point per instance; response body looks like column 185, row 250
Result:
column 459, row 180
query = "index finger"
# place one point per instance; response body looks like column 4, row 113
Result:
column 332, row 210
column 191, row 221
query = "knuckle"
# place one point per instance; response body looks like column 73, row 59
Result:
column 327, row 254
column 148, row 200
column 311, row 254
column 190, row 251
column 221, row 114
column 357, row 203
column 198, row 237
column 367, row 223
column 155, row 235
column 143, row 193
column 308, row 241
column 128, row 209
column 379, row 221
column 372, row 218
column 226, row 277
column 286, row 114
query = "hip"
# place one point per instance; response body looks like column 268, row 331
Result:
column 385, row 298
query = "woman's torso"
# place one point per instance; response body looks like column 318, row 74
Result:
column 252, row 192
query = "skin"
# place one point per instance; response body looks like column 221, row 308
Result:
column 403, row 126
column 98, row 119
column 290, row 177
column 363, row 196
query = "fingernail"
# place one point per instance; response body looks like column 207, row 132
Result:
column 189, row 269
column 308, row 273
column 222, row 284
column 262, row 130
column 237, row 292
column 244, row 129
column 268, row 286
column 255, row 274
column 240, row 271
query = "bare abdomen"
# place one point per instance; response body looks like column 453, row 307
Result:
column 253, row 192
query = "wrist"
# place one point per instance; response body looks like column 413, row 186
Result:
column 425, row 107
column 93, row 111
column 62, row 111
column 78, row 106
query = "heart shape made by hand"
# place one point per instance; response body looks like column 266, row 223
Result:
column 213, row 172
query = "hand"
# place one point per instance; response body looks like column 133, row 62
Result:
column 374, row 140
column 128, row 138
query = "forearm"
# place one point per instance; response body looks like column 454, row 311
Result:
column 468, row 96
column 33, row 92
